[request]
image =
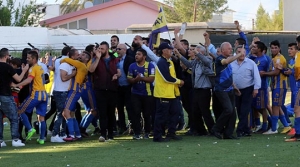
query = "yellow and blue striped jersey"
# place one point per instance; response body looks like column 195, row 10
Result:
column 37, row 87
column 280, row 80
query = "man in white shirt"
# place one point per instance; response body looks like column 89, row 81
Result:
column 62, row 75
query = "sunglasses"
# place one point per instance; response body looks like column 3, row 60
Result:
column 119, row 48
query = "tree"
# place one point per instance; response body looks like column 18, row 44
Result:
column 21, row 15
column 68, row 6
column 193, row 10
column 267, row 23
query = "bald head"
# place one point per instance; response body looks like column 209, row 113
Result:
column 226, row 49
column 121, row 49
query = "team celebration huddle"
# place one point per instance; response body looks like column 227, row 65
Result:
column 228, row 92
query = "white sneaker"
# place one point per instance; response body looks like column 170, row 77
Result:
column 257, row 128
column 270, row 132
column 56, row 139
column 17, row 143
column 3, row 144
column 49, row 133
column 101, row 139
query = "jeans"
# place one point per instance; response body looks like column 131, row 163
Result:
column 8, row 107
column 59, row 122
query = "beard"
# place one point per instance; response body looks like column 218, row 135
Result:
column 135, row 45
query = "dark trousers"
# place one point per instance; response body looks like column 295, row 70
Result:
column 124, row 100
column 187, row 101
column 201, row 105
column 216, row 106
column 166, row 110
column 243, row 106
column 227, row 118
column 141, row 104
column 106, row 103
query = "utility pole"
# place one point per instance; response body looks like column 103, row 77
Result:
column 253, row 24
column 195, row 11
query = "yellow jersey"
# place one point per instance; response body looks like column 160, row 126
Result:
column 36, row 72
column 279, row 81
column 80, row 76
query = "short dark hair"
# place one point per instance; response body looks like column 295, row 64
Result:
column 90, row 48
column 298, row 38
column 88, row 54
column 241, row 41
column 142, row 51
column 3, row 52
column 33, row 54
column 114, row 36
column 65, row 50
column 105, row 43
column 260, row 45
column 275, row 43
column 184, row 41
column 293, row 44
column 167, row 41
column 24, row 55
column 72, row 52
column 16, row 61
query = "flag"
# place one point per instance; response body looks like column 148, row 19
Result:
column 159, row 26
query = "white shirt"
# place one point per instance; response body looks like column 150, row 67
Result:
column 59, row 85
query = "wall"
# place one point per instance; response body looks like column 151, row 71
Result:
column 290, row 14
column 16, row 38
column 117, row 17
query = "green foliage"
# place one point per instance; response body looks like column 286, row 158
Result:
column 21, row 15
column 193, row 10
column 5, row 16
column 68, row 6
column 267, row 23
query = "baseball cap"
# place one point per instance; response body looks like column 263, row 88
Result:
column 165, row 45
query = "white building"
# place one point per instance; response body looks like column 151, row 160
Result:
column 226, row 17
column 291, row 14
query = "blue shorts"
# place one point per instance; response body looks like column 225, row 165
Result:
column 72, row 99
column 278, row 97
column 261, row 99
column 88, row 98
column 38, row 101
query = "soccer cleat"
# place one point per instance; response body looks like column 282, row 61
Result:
column 286, row 129
column 257, row 128
column 270, row 132
column 17, row 143
column 2, row 144
column 30, row 134
column 40, row 141
column 101, row 139
column 69, row 138
column 56, row 139
column 136, row 137
column 293, row 138
column 292, row 132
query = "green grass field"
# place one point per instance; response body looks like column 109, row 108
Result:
column 255, row 151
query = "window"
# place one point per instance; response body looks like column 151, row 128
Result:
column 73, row 25
column 64, row 26
column 82, row 23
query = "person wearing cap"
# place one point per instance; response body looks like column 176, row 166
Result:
column 165, row 91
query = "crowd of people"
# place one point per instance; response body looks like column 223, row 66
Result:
column 155, row 85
